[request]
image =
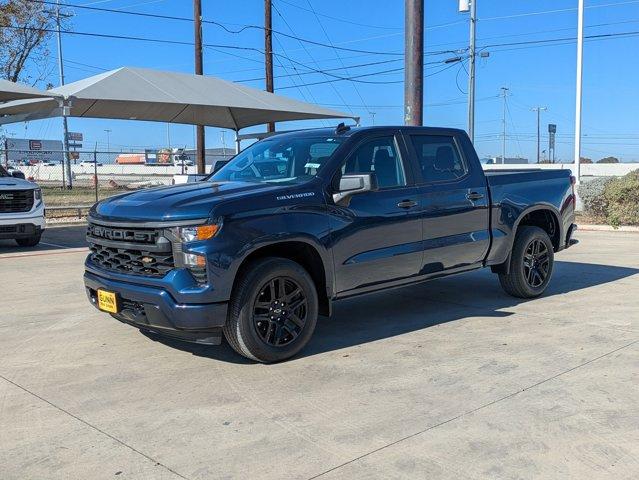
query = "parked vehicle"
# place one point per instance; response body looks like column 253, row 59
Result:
column 21, row 209
column 15, row 172
column 90, row 163
column 262, row 247
column 183, row 161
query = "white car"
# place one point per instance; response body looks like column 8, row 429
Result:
column 90, row 163
column 21, row 210
column 179, row 162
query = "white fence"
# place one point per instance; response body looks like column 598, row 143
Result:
column 587, row 169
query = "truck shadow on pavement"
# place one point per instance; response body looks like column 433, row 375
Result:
column 387, row 314
column 53, row 238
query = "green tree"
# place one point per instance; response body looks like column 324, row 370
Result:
column 608, row 160
column 25, row 27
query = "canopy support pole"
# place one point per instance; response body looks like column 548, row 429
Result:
column 237, row 141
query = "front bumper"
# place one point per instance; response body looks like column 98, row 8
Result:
column 155, row 309
column 22, row 225
column 21, row 230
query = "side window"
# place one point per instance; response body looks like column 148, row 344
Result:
column 379, row 156
column 438, row 158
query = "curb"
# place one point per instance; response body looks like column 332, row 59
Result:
column 608, row 228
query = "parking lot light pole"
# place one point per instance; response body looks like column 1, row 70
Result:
column 580, row 53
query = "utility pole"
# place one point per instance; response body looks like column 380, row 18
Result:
column 471, row 72
column 504, row 94
column 414, row 62
column 539, row 110
column 580, row 53
column 108, row 132
column 268, row 53
column 65, row 141
column 200, row 141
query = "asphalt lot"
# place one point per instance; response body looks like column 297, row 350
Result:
column 449, row 379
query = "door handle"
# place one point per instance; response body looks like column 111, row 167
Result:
column 474, row 196
column 407, row 204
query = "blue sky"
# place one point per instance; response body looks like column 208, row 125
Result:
column 537, row 75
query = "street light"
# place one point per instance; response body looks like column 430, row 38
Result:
column 107, row 130
column 471, row 6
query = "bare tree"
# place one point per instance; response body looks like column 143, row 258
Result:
column 25, row 28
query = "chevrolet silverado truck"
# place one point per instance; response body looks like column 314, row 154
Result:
column 21, row 209
column 256, row 251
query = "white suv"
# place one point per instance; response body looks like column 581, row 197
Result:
column 21, row 210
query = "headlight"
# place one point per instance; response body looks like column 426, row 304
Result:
column 192, row 234
column 194, row 262
column 38, row 194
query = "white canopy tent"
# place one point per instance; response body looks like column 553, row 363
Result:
column 143, row 94
column 19, row 91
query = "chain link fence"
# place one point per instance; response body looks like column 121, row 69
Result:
column 98, row 175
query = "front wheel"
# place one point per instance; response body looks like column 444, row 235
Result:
column 273, row 310
column 29, row 241
column 531, row 264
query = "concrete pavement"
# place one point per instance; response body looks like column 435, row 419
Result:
column 448, row 379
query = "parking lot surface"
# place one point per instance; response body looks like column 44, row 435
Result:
column 447, row 379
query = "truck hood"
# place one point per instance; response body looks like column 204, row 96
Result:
column 12, row 183
column 191, row 201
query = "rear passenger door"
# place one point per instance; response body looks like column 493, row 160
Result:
column 454, row 202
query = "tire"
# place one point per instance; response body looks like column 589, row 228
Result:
column 29, row 241
column 526, row 280
column 249, row 328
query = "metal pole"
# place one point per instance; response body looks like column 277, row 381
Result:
column 538, row 135
column 237, row 142
column 539, row 110
column 414, row 62
column 268, row 54
column 65, row 142
column 200, row 141
column 471, row 76
column 503, row 145
column 580, row 52
column 95, row 173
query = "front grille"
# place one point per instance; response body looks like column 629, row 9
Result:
column 15, row 201
column 134, row 251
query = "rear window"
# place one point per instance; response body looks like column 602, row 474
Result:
column 438, row 157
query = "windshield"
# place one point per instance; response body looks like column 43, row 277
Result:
column 287, row 160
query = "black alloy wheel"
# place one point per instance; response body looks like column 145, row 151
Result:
column 279, row 311
column 536, row 263
column 531, row 263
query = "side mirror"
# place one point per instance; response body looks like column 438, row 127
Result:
column 350, row 185
column 17, row 174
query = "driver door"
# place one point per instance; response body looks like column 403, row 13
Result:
column 377, row 235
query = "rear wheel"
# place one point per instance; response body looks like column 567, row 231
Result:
column 29, row 241
column 273, row 310
column 531, row 264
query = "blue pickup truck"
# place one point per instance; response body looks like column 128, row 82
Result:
column 261, row 248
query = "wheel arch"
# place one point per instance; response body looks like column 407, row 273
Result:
column 305, row 254
column 543, row 215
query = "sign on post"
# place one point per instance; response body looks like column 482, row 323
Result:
column 74, row 137
column 26, row 151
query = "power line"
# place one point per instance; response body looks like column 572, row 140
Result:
column 336, row 52
column 561, row 10
column 341, row 19
column 219, row 24
column 337, row 92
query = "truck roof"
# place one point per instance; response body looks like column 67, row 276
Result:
column 350, row 131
